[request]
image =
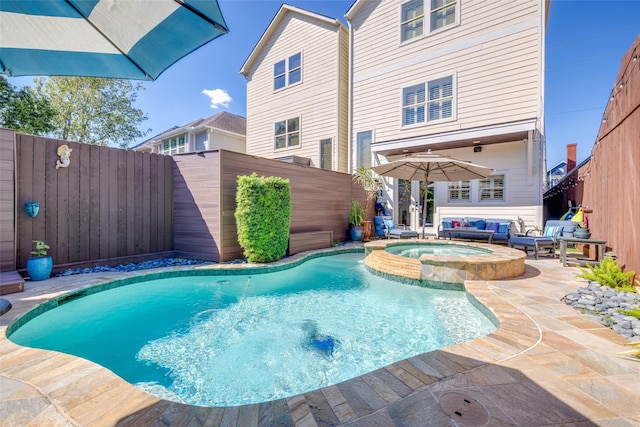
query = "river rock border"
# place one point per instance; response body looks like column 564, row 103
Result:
column 603, row 304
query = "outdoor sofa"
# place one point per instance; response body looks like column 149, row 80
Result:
column 502, row 228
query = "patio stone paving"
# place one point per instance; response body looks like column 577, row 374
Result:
column 546, row 365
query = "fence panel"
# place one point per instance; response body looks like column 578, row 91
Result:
column 97, row 208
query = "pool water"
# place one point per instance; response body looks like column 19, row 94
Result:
column 416, row 250
column 237, row 339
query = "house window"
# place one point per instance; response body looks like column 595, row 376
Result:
column 492, row 188
column 459, row 191
column 442, row 13
column 412, row 19
column 287, row 133
column 326, row 153
column 440, row 103
column 287, row 72
column 174, row 145
column 413, row 105
column 363, row 142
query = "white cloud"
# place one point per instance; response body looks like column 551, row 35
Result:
column 218, row 97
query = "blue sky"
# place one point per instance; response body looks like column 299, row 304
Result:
column 586, row 41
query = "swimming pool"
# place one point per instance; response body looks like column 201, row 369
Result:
column 237, row 339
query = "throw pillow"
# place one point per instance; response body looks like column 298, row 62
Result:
column 389, row 223
column 456, row 224
column 446, row 224
column 550, row 231
column 503, row 228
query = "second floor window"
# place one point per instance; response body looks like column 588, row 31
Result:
column 363, row 155
column 440, row 103
column 174, row 145
column 418, row 107
column 287, row 133
column 412, row 19
column 287, row 72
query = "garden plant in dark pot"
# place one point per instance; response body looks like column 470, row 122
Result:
column 39, row 266
column 356, row 216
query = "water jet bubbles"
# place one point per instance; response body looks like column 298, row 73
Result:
column 224, row 282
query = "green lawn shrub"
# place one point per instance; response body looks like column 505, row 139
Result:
column 263, row 215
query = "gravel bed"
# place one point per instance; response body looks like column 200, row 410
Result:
column 144, row 265
column 603, row 304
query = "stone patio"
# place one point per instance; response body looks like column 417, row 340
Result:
column 546, row 365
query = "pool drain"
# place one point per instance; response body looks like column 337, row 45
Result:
column 464, row 410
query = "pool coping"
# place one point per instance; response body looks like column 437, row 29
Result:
column 79, row 392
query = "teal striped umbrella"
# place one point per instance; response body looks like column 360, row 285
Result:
column 130, row 39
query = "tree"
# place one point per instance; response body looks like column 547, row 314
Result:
column 94, row 110
column 24, row 111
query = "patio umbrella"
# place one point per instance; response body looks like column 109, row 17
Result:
column 430, row 167
column 129, row 39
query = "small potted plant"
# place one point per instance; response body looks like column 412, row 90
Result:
column 356, row 216
column 39, row 266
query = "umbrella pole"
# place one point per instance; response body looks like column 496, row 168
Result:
column 424, row 207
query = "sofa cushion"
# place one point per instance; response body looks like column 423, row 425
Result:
column 480, row 224
column 493, row 226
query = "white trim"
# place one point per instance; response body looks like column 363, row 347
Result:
column 434, row 54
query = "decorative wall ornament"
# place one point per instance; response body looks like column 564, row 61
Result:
column 64, row 152
column 32, row 208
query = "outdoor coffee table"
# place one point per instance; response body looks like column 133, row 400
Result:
column 469, row 231
column 601, row 246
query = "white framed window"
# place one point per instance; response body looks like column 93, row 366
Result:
column 412, row 20
column 363, row 147
column 459, row 191
column 326, row 153
column 492, row 188
column 287, row 72
column 436, row 102
column 174, row 145
column 441, row 14
column 413, row 104
column 287, row 133
column 440, row 101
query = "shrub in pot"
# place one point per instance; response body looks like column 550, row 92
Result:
column 39, row 266
column 356, row 216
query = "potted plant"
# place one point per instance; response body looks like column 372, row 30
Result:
column 581, row 232
column 370, row 182
column 356, row 216
column 39, row 266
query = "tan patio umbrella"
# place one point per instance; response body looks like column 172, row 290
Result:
column 430, row 167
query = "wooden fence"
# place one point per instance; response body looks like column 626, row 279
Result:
column 108, row 203
column 609, row 183
column 205, row 190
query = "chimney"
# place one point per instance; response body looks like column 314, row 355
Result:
column 571, row 156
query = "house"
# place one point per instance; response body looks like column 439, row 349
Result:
column 463, row 79
column 297, row 91
column 220, row 131
column 556, row 173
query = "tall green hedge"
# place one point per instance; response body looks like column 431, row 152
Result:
column 263, row 215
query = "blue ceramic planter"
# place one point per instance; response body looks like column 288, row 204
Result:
column 357, row 233
column 39, row 268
